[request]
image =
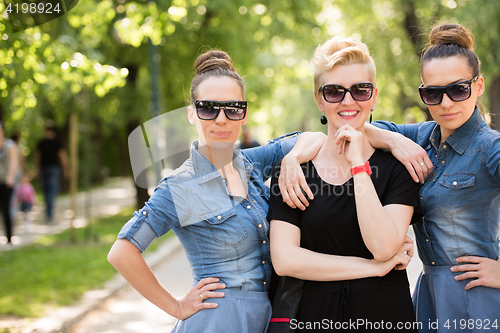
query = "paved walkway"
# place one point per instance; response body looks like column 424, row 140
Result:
column 129, row 312
column 103, row 201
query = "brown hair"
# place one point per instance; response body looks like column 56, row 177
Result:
column 450, row 40
column 213, row 63
column 340, row 50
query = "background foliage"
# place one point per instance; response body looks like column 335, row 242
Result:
column 96, row 60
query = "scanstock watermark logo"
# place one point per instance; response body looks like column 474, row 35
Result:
column 25, row 14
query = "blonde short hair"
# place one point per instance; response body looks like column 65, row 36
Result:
column 340, row 50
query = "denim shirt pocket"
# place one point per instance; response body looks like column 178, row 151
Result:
column 225, row 226
column 455, row 191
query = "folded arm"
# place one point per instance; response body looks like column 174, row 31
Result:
column 292, row 260
column 409, row 153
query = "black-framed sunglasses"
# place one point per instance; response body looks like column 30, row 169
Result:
column 209, row 110
column 334, row 93
column 457, row 92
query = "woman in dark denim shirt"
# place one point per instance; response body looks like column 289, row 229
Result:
column 459, row 220
column 216, row 203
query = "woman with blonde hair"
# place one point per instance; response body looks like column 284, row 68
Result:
column 347, row 242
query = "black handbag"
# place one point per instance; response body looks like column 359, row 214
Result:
column 285, row 304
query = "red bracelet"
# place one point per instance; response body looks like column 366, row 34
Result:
column 362, row 168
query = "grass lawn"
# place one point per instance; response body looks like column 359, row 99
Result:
column 53, row 272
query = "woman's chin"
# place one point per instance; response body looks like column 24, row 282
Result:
column 220, row 145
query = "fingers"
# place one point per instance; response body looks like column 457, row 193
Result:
column 306, row 189
column 467, row 275
column 419, row 170
column 206, row 281
column 472, row 284
column 204, row 291
column 472, row 259
column 301, row 197
column 465, row 268
column 284, row 194
column 411, row 171
column 292, row 194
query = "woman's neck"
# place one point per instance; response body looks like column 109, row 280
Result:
column 220, row 154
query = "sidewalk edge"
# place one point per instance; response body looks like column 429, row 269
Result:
column 62, row 319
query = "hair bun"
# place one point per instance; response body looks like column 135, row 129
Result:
column 212, row 60
column 451, row 33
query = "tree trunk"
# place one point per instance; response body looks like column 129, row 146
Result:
column 494, row 95
column 142, row 193
column 413, row 29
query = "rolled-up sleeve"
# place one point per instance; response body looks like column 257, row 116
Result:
column 408, row 130
column 156, row 218
column 264, row 158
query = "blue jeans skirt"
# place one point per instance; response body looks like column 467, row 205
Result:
column 238, row 311
column 443, row 305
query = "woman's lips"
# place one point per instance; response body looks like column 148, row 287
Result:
column 449, row 116
column 348, row 114
column 222, row 134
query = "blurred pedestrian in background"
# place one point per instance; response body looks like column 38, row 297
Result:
column 8, row 169
column 26, row 197
column 21, row 170
column 247, row 139
column 50, row 157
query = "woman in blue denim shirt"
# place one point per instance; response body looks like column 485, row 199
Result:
column 459, row 220
column 216, row 203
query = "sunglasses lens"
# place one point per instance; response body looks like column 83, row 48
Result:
column 235, row 113
column 333, row 93
column 431, row 96
column 362, row 91
column 207, row 111
column 459, row 92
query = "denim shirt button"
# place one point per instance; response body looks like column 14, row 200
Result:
column 248, row 207
column 427, row 240
column 454, row 183
column 260, row 225
column 444, row 146
column 255, row 201
column 263, row 262
column 443, row 162
column 144, row 213
column 433, row 263
column 264, row 282
column 219, row 217
column 264, row 242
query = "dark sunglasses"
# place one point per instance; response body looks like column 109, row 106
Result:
column 209, row 110
column 457, row 92
column 334, row 93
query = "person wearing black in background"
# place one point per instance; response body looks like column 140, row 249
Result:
column 50, row 157
column 8, row 169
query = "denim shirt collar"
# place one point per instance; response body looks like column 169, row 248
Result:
column 206, row 171
column 461, row 137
